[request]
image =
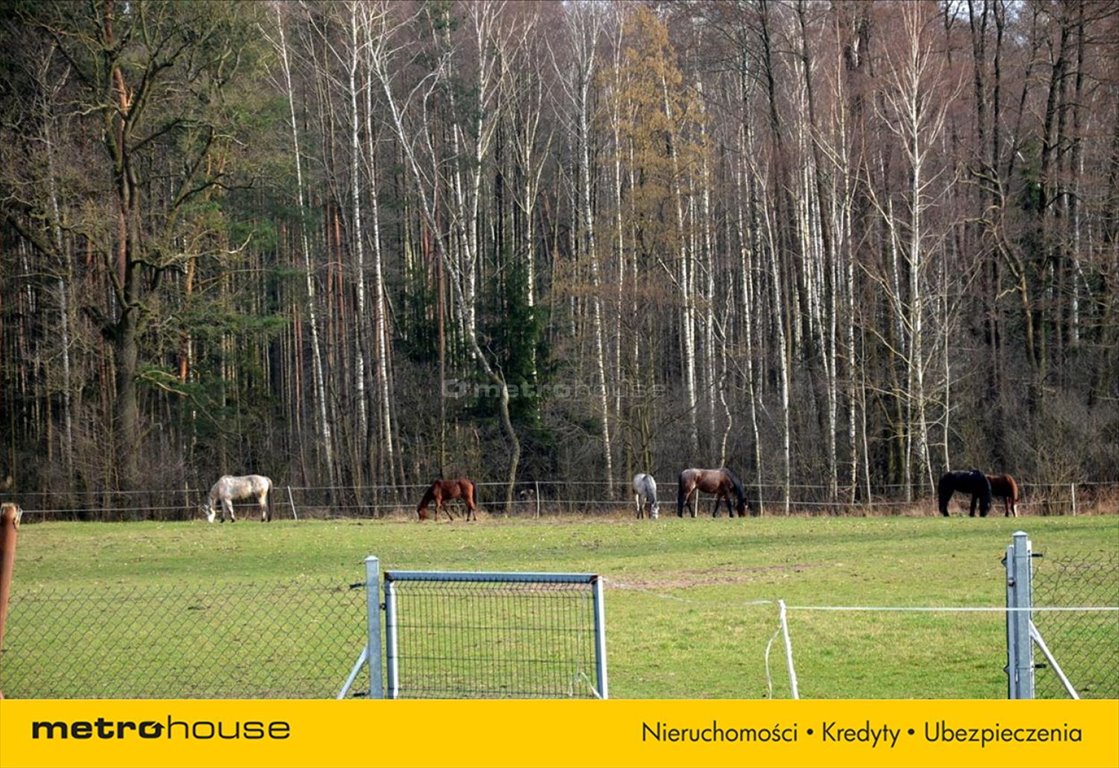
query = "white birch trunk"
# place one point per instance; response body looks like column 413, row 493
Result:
column 911, row 115
column 708, row 260
column 586, row 66
column 63, row 284
column 325, row 431
column 687, row 281
column 383, row 349
column 462, row 230
column 778, row 310
column 358, row 229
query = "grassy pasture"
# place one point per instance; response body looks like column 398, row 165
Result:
column 690, row 604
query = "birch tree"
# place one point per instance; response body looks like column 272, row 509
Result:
column 584, row 31
column 323, row 421
column 409, row 115
column 381, row 334
column 914, row 111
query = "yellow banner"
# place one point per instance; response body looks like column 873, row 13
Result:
column 552, row 734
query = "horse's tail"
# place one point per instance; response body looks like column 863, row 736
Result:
column 428, row 497
column 681, row 494
column 944, row 492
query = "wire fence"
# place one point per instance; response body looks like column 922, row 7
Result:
column 492, row 636
column 1084, row 643
column 532, row 499
column 299, row 639
column 283, row 640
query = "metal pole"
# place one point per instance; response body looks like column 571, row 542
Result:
column 391, row 639
column 600, row 638
column 1019, row 648
column 373, row 616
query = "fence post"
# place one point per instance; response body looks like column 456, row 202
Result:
column 291, row 501
column 1019, row 648
column 600, row 639
column 391, row 660
column 371, row 653
column 9, row 527
column 373, row 614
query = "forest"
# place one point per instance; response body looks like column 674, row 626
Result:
column 839, row 247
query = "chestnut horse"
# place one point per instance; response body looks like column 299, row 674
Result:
column 965, row 481
column 1004, row 487
column 447, row 490
column 720, row 482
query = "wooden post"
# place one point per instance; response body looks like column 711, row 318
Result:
column 9, row 524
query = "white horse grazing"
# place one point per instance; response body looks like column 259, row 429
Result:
column 645, row 491
column 229, row 489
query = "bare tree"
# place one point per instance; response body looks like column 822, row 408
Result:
column 410, row 118
column 915, row 108
column 323, row 422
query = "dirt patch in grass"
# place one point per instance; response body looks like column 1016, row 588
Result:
column 709, row 577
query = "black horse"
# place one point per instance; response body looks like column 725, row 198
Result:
column 971, row 481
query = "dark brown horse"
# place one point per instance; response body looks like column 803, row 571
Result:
column 448, row 490
column 720, row 482
column 1004, row 487
column 965, row 481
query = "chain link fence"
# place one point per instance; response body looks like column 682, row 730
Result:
column 299, row 638
column 230, row 640
column 494, row 636
column 1084, row 643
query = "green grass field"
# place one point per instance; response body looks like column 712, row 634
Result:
column 690, row 604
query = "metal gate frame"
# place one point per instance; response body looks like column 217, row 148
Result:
column 384, row 645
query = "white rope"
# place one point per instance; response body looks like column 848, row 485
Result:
column 768, row 674
column 788, row 650
column 948, row 609
column 870, row 608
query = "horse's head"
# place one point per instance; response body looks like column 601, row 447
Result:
column 655, row 510
column 741, row 502
column 981, row 489
column 209, row 512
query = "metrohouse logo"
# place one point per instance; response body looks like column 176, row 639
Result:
column 168, row 729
